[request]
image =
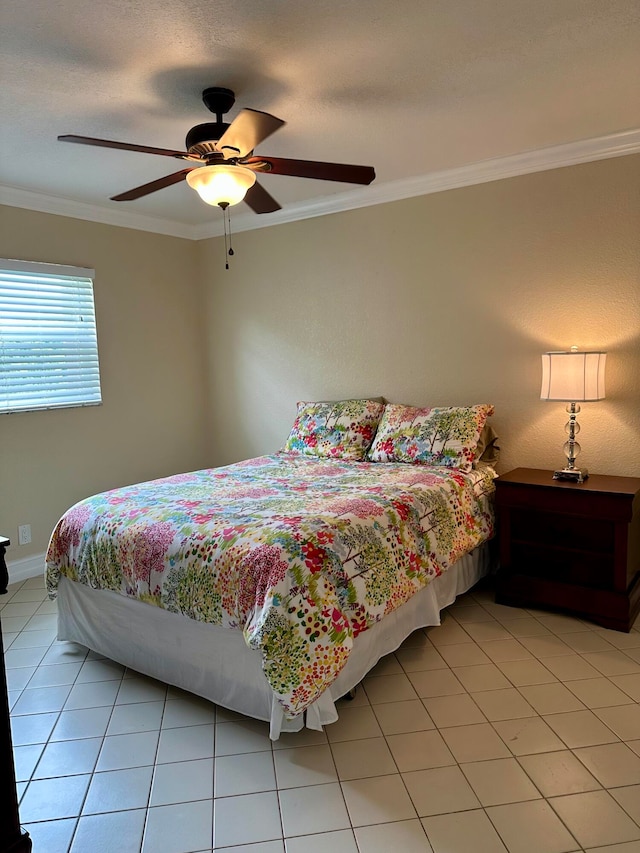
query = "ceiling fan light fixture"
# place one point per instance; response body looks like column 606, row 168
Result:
column 222, row 184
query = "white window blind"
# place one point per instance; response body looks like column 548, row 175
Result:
column 48, row 341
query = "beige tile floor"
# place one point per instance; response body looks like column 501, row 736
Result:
column 503, row 729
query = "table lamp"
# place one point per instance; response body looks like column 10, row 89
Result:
column 573, row 377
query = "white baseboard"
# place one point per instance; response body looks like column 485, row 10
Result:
column 26, row 567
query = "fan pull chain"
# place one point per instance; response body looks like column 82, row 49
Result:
column 231, row 252
column 226, row 221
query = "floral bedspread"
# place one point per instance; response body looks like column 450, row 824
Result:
column 301, row 554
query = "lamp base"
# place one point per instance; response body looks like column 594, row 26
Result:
column 574, row 475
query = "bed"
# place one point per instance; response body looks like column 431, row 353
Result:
column 273, row 585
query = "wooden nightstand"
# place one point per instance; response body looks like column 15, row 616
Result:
column 571, row 546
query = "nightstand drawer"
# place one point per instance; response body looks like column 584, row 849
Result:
column 546, row 528
column 563, row 565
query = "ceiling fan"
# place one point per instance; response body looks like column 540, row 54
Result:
column 224, row 170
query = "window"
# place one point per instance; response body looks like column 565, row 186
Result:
column 48, row 342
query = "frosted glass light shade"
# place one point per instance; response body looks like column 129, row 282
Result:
column 573, row 376
column 221, row 184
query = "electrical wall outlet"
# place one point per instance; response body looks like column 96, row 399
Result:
column 24, row 534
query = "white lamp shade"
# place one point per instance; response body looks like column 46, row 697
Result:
column 573, row 376
column 221, row 184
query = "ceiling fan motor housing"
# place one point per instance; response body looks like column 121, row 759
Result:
column 202, row 138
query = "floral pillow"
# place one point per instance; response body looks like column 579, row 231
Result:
column 445, row 436
column 340, row 430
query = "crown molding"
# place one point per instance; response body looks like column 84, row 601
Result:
column 14, row 197
column 484, row 171
column 554, row 157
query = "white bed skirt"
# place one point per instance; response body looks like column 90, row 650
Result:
column 215, row 663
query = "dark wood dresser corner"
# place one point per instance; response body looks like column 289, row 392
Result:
column 13, row 839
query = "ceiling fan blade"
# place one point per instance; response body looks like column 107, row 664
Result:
column 312, row 169
column 260, row 201
column 126, row 146
column 152, row 186
column 248, row 129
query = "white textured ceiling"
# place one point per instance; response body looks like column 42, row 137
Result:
column 411, row 87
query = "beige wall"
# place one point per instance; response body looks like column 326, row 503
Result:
column 448, row 298
column 151, row 344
